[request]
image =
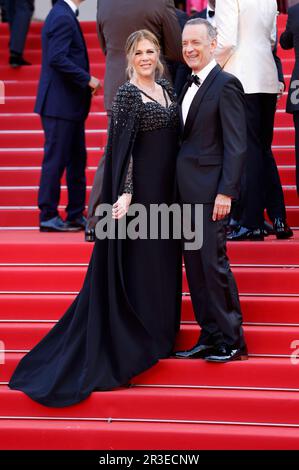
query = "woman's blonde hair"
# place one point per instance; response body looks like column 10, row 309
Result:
column 131, row 47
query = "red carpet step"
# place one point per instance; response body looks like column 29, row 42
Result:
column 27, row 196
column 24, row 157
column 251, row 280
column 257, row 373
column 167, row 404
column 63, row 434
column 13, row 104
column 261, row 340
column 29, row 121
column 34, row 247
column 257, row 309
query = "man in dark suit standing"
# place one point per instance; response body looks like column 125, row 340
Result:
column 63, row 101
column 19, row 13
column 115, row 22
column 288, row 40
column 209, row 168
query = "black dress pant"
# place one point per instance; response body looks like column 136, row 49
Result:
column 296, row 124
column 64, row 150
column 212, row 285
column 261, row 187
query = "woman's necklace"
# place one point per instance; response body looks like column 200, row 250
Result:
column 154, row 93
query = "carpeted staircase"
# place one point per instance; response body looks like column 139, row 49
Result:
column 178, row 404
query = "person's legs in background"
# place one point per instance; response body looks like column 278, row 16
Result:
column 251, row 205
column 59, row 138
column 274, row 198
column 76, row 178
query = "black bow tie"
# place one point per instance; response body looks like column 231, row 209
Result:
column 211, row 13
column 193, row 79
column 77, row 12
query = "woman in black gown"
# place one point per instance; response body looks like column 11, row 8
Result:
column 127, row 314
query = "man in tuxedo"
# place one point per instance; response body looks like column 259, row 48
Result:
column 246, row 32
column 288, row 40
column 209, row 168
column 63, row 102
column 114, row 27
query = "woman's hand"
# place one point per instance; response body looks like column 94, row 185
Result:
column 121, row 207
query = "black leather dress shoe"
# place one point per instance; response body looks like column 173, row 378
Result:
column 17, row 60
column 198, row 352
column 243, row 234
column 56, row 224
column 281, row 229
column 226, row 353
column 79, row 223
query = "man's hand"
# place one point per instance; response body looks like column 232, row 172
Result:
column 121, row 207
column 222, row 207
column 95, row 85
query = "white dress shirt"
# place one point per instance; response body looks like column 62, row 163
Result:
column 72, row 5
column 193, row 89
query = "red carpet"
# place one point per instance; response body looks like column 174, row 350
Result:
column 177, row 404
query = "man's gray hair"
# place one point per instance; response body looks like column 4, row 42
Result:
column 212, row 31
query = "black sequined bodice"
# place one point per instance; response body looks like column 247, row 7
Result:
column 136, row 117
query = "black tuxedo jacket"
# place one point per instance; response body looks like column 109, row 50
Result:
column 288, row 40
column 213, row 144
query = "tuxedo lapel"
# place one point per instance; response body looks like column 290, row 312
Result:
column 198, row 98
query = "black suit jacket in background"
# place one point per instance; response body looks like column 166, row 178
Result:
column 214, row 140
column 288, row 40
